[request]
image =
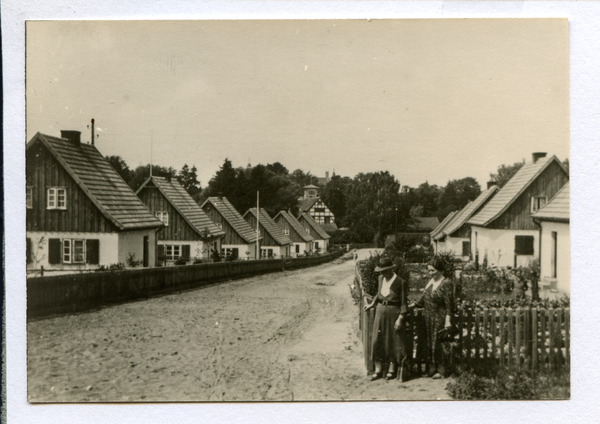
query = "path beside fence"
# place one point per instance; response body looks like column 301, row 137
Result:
column 529, row 338
column 81, row 292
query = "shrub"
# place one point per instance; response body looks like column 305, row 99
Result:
column 131, row 262
column 496, row 383
column 181, row 261
column 111, row 268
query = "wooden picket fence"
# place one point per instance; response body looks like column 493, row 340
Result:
column 528, row 338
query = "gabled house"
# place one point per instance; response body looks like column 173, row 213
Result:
column 302, row 241
column 188, row 234
column 439, row 243
column 80, row 213
column 275, row 244
column 455, row 236
column 240, row 238
column 504, row 231
column 321, row 242
column 312, row 204
column 555, row 263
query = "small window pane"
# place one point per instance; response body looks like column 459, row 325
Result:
column 67, row 251
column 62, row 198
column 78, row 251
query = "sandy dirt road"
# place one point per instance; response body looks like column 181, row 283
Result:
column 287, row 336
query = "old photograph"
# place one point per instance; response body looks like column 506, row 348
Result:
column 297, row 210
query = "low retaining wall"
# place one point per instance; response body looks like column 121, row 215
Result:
column 80, row 292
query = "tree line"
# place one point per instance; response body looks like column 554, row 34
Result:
column 368, row 206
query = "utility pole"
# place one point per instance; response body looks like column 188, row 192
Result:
column 257, row 225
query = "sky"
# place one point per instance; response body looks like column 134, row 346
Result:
column 427, row 100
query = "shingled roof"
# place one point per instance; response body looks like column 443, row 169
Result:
column 511, row 191
column 315, row 226
column 468, row 211
column 233, row 218
column 270, row 226
column 185, row 205
column 557, row 209
column 295, row 224
column 306, row 204
column 100, row 182
column 437, row 233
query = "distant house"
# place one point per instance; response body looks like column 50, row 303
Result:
column 80, row 212
column 321, row 243
column 421, row 228
column 291, row 227
column 439, row 242
column 312, row 204
column 239, row 236
column 503, row 230
column 455, row 236
column 188, row 234
column 274, row 242
column 555, row 263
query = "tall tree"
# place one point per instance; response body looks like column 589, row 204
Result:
column 457, row 194
column 121, row 167
column 371, row 204
column 142, row 172
column 334, row 195
column 188, row 178
column 505, row 173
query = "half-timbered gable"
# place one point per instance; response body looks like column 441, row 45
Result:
column 504, row 230
column 240, row 238
column 188, row 233
column 80, row 212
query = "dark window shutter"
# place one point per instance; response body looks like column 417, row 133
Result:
column 161, row 252
column 185, row 251
column 524, row 245
column 54, row 251
column 92, row 250
column 466, row 248
column 29, row 251
column 235, row 253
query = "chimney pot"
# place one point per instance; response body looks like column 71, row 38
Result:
column 73, row 136
column 491, row 183
column 538, row 155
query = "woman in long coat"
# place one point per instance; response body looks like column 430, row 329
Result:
column 388, row 342
column 438, row 303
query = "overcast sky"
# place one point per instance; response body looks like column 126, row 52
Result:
column 427, row 100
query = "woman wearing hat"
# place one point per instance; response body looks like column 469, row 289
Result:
column 388, row 343
column 438, row 303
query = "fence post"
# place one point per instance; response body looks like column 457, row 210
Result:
column 534, row 338
column 502, row 312
column 485, row 332
column 551, row 354
column 567, row 338
column 543, row 338
column 493, row 327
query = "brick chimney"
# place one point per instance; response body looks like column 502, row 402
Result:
column 73, row 136
column 491, row 183
column 537, row 155
column 326, row 175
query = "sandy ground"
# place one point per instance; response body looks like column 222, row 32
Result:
column 288, row 336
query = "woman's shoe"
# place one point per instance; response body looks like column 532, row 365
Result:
column 390, row 375
column 375, row 376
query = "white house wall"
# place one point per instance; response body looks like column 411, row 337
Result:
column 303, row 247
column 499, row 245
column 563, row 266
column 455, row 245
column 132, row 242
column 108, row 255
column 242, row 249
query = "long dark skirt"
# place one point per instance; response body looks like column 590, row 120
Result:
column 387, row 345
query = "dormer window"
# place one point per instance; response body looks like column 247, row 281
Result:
column 286, row 231
column 537, row 202
column 57, row 198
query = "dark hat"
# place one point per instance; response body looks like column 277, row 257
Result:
column 384, row 263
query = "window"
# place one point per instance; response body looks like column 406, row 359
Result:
column 307, row 230
column 232, row 252
column 163, row 216
column 466, row 248
column 57, row 198
column 173, row 251
column 537, row 202
column 322, row 210
column 286, row 231
column 66, row 254
column 78, row 251
column 327, row 220
column 29, row 197
column 523, row 245
column 297, row 248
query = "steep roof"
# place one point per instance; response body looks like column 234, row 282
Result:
column 556, row 209
column 310, row 186
column 270, row 226
column 511, row 191
column 100, row 182
column 315, row 226
column 185, row 205
column 233, row 218
column 438, row 230
column 296, row 226
column 468, row 211
column 306, row 204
